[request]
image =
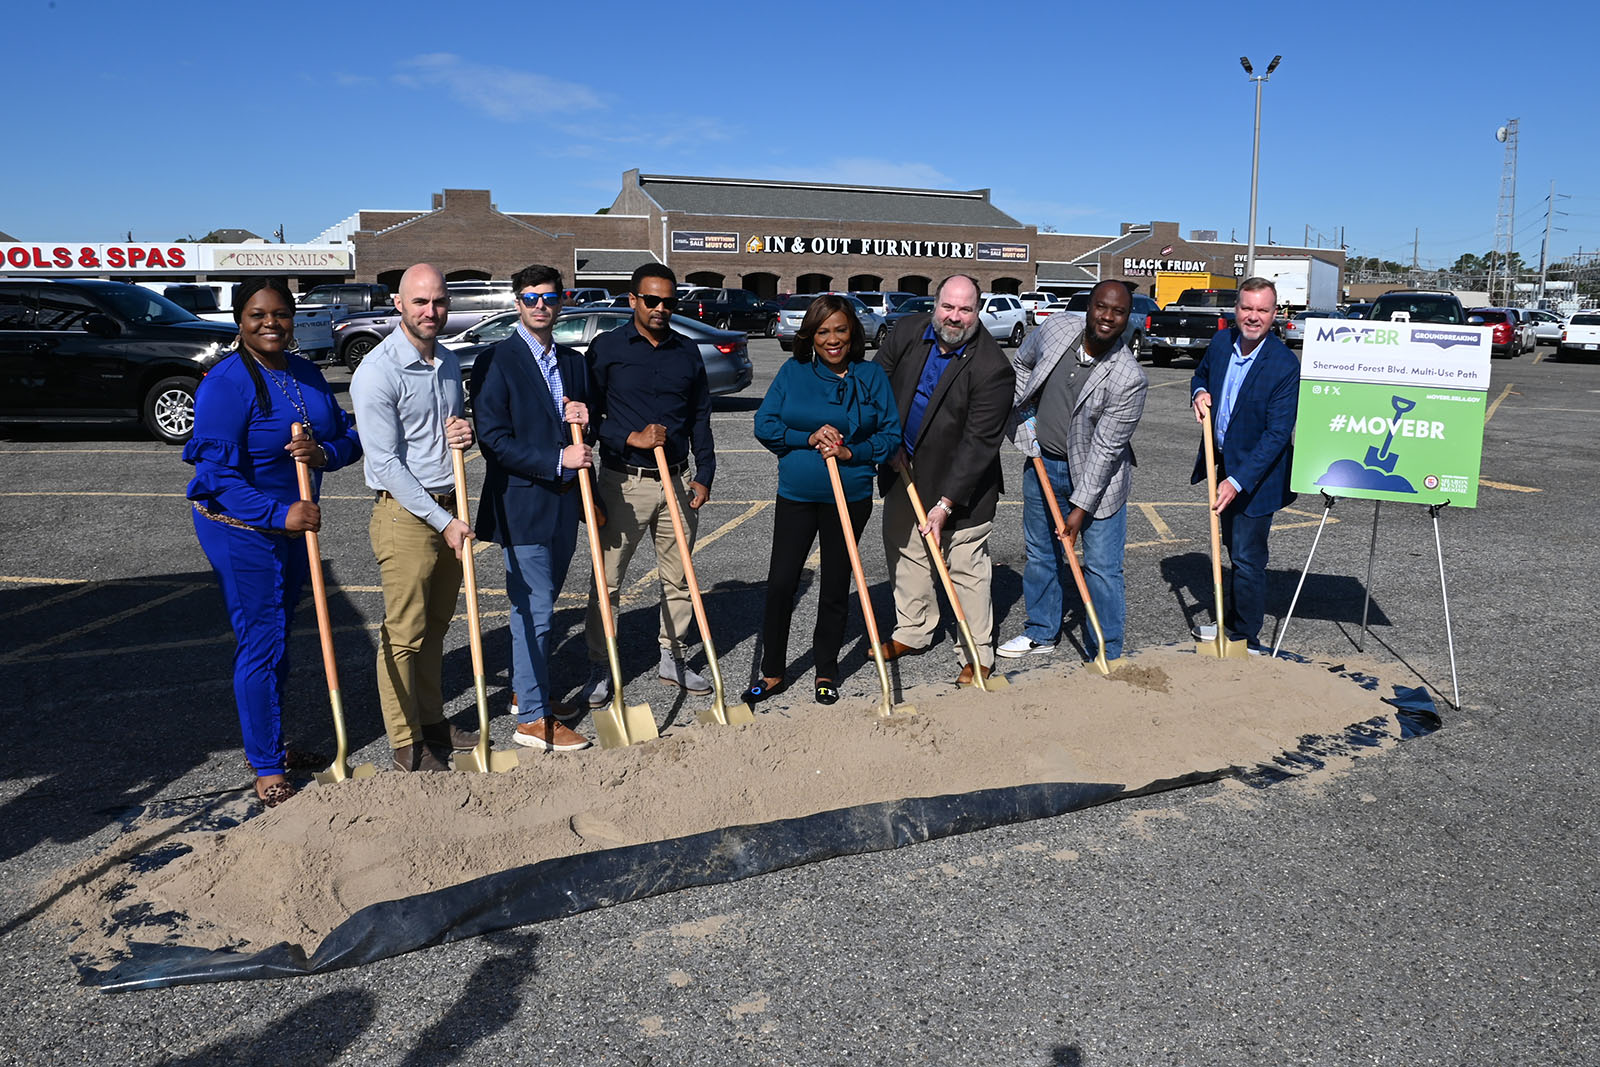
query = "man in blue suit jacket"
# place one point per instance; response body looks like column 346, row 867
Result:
column 525, row 391
column 1251, row 382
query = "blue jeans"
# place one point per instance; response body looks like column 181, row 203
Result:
column 1104, row 541
column 534, row 576
column 1245, row 587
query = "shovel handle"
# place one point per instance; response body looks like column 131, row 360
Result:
column 933, row 549
column 319, row 590
column 669, row 490
column 862, row 592
column 1211, row 510
column 1070, row 547
column 469, row 570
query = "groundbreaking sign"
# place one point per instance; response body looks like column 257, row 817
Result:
column 1392, row 411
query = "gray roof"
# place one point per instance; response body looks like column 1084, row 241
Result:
column 6, row 237
column 610, row 262
column 812, row 200
column 1066, row 272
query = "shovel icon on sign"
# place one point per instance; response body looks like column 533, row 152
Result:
column 1382, row 458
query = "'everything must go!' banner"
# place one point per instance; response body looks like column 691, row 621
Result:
column 1392, row 411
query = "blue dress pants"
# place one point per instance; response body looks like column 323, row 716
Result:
column 262, row 576
column 534, row 576
column 1245, row 585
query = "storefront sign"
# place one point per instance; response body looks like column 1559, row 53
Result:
column 992, row 251
column 186, row 258
column 801, row 245
column 1391, row 411
column 1150, row 266
column 704, row 241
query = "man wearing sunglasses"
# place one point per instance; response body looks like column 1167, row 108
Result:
column 649, row 391
column 526, row 390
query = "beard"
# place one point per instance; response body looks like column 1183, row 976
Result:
column 954, row 336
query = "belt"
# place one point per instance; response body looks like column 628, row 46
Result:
column 1054, row 457
column 629, row 469
column 444, row 500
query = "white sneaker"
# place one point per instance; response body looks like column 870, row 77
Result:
column 676, row 672
column 1023, row 645
column 596, row 692
column 1204, row 632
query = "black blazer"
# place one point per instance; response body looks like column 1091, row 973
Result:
column 524, row 501
column 958, row 444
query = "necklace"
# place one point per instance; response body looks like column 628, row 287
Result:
column 298, row 400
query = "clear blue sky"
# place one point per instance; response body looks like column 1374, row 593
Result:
column 176, row 118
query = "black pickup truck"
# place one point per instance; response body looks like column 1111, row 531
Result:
column 730, row 309
column 1188, row 324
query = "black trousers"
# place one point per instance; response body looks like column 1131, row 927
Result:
column 795, row 527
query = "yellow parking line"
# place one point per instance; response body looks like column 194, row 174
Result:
column 99, row 624
column 1163, row 531
column 1496, row 405
column 1507, row 485
column 701, row 542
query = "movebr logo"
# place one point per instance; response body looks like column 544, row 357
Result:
column 1359, row 335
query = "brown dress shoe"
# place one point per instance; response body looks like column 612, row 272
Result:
column 445, row 734
column 893, row 649
column 423, row 757
column 965, row 677
column 548, row 734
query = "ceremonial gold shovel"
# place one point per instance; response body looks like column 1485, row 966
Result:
column 617, row 726
column 719, row 713
column 1069, row 546
column 1219, row 646
column 481, row 759
column 886, row 707
column 340, row 769
column 996, row 680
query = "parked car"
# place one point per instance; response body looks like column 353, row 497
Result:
column 1511, row 336
column 82, row 350
column 485, row 331
column 1580, row 336
column 353, row 297
column 1032, row 302
column 882, row 303
column 1294, row 328
column 793, row 312
column 213, row 301
column 1189, row 323
column 1358, row 311
column 1422, row 305
column 1044, row 311
column 1003, row 315
column 356, row 335
column 1546, row 326
column 480, row 296
column 729, row 309
column 725, row 353
column 579, row 297
column 909, row 307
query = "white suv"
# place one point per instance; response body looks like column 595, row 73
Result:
column 1003, row 315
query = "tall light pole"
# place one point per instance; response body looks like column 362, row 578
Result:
column 1255, row 155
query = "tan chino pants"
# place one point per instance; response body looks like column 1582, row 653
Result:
column 635, row 508
column 916, row 596
column 421, row 583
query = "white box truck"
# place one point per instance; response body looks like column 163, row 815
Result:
column 1305, row 283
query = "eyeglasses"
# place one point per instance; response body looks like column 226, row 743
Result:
column 534, row 299
column 652, row 302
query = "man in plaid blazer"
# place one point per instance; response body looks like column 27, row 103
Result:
column 1079, row 396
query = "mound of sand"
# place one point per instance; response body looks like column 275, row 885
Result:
column 297, row 871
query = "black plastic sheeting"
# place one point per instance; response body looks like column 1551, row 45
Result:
column 569, row 885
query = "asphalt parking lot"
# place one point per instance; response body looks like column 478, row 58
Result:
column 1434, row 905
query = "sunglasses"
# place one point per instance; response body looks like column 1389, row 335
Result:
column 534, row 299
column 652, row 302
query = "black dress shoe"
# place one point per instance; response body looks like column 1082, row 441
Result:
column 761, row 691
column 827, row 692
column 445, row 734
column 423, row 757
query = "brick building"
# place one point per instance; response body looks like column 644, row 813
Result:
column 775, row 237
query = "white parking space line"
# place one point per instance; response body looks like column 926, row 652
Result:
column 102, row 623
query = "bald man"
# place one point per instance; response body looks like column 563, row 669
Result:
column 407, row 395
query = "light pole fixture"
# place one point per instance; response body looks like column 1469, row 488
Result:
column 1255, row 155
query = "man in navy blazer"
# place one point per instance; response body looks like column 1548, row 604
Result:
column 1251, row 383
column 525, row 392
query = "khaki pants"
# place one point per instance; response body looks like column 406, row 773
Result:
column 421, row 581
column 916, row 597
column 634, row 508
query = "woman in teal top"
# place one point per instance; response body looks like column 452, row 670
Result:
column 824, row 402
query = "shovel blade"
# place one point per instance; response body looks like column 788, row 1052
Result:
column 720, row 714
column 1100, row 665
column 992, row 684
column 340, row 772
column 886, row 710
column 619, row 727
column 1222, row 648
column 476, row 761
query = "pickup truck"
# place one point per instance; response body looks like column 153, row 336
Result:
column 356, row 335
column 313, row 327
column 1189, row 323
column 1580, row 336
column 730, row 309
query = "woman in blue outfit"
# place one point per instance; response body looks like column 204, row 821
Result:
column 248, row 513
column 824, row 402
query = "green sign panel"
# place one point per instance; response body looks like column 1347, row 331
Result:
column 1391, row 411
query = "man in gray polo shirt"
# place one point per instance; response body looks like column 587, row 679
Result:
column 408, row 403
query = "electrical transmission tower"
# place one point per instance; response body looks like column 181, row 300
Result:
column 1502, row 280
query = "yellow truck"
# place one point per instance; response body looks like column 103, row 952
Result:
column 1169, row 283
